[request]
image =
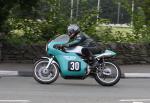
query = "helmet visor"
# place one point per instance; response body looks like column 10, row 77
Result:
column 71, row 31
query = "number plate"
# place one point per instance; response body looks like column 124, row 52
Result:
column 74, row 66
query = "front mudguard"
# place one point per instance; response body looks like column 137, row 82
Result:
column 50, row 59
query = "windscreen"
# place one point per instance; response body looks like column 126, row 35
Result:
column 62, row 38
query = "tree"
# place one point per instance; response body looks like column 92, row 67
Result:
column 8, row 7
column 5, row 7
column 146, row 8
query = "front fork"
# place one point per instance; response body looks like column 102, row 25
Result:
column 101, row 61
column 49, row 61
column 102, row 66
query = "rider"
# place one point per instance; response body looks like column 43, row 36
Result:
column 78, row 38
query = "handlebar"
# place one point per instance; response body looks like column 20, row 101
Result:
column 59, row 47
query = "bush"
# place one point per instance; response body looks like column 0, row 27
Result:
column 28, row 31
column 120, row 34
column 24, row 30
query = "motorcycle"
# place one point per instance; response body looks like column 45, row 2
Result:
column 70, row 64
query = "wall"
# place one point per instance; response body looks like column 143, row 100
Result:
column 0, row 46
column 126, row 53
column 23, row 53
column 131, row 53
column 0, row 51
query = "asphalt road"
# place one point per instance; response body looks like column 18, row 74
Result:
column 138, row 68
column 27, row 90
column 128, row 71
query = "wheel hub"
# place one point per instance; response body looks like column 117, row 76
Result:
column 107, row 71
column 45, row 71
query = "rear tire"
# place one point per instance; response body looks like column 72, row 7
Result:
column 43, row 75
column 107, row 73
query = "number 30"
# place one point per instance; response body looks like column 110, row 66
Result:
column 75, row 66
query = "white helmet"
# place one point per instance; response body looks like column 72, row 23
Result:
column 73, row 28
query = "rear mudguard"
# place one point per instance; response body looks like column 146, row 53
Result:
column 106, row 54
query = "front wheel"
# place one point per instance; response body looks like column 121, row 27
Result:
column 108, row 74
column 45, row 75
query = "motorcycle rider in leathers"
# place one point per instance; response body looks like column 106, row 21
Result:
column 78, row 38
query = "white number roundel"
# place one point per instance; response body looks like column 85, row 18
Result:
column 74, row 66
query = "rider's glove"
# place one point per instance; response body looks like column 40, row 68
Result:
column 65, row 45
column 60, row 46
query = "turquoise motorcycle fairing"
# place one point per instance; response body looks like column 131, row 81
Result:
column 71, row 65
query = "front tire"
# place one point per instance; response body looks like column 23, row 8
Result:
column 108, row 74
column 43, row 75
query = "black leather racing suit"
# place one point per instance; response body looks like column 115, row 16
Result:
column 90, row 47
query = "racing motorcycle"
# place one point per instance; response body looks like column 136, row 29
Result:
column 70, row 64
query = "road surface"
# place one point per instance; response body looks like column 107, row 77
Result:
column 27, row 90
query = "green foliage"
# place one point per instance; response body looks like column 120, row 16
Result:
column 146, row 9
column 7, row 6
column 32, row 31
column 138, row 22
column 141, row 28
column 112, row 34
column 28, row 29
column 104, row 34
column 24, row 30
column 122, row 34
column 36, row 21
column 88, row 22
column 140, row 32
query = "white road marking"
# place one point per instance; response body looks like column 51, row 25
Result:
column 15, row 101
column 145, row 75
column 134, row 100
column 137, row 102
column 8, row 73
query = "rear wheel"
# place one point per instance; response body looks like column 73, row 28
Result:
column 108, row 74
column 43, row 75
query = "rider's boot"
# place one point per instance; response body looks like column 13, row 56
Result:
column 94, row 63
